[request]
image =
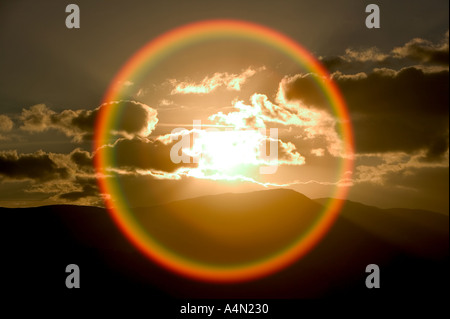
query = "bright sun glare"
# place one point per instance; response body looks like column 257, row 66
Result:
column 227, row 151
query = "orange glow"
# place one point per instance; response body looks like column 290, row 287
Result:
column 122, row 214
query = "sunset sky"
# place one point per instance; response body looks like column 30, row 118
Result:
column 394, row 81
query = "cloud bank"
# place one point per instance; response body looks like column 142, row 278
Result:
column 136, row 119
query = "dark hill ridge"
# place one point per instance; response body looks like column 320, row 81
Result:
column 44, row 240
column 419, row 232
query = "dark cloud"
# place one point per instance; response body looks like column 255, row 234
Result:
column 59, row 177
column 433, row 178
column 359, row 59
column 408, row 91
column 404, row 110
column 146, row 154
column 134, row 119
column 415, row 51
column 424, row 188
column 37, row 166
column 304, row 88
column 437, row 149
column 82, row 159
column 87, row 187
column 424, row 51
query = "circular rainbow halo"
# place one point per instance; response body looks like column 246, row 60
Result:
column 189, row 237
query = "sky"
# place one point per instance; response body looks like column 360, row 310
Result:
column 394, row 81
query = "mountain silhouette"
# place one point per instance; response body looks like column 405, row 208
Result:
column 409, row 246
column 231, row 229
column 419, row 232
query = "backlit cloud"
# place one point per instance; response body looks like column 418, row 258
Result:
column 310, row 123
column 6, row 124
column 85, row 188
column 364, row 55
column 380, row 168
column 391, row 110
column 136, row 119
column 417, row 50
column 232, row 82
column 424, row 51
column 39, row 166
column 54, row 176
column 261, row 111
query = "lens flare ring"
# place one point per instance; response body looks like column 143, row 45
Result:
column 149, row 56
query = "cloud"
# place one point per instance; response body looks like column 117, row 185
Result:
column 6, row 124
column 165, row 102
column 437, row 149
column 304, row 89
column 214, row 155
column 312, row 122
column 288, row 154
column 54, row 176
column 419, row 188
column 82, row 159
column 364, row 55
column 135, row 119
column 398, row 102
column 38, row 166
column 319, row 152
column 417, row 50
column 424, row 51
column 80, row 190
column 144, row 154
column 43, row 166
column 404, row 110
column 86, row 187
column 232, row 82
column 383, row 168
column 262, row 111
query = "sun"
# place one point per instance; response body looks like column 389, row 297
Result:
column 228, row 152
